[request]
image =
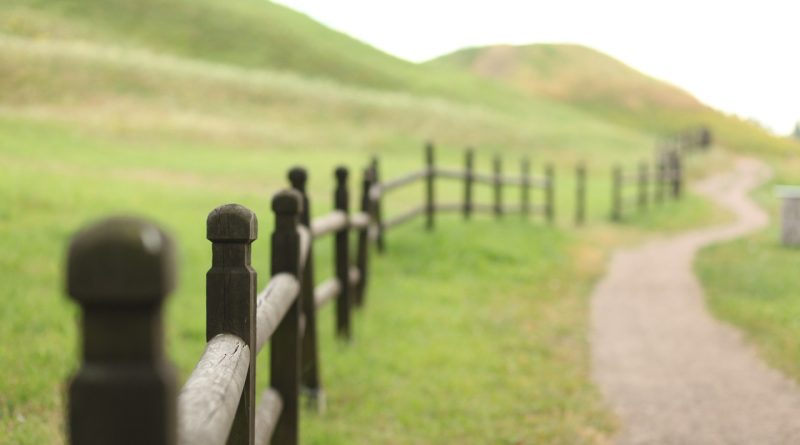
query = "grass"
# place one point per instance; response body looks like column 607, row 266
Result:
column 109, row 107
column 752, row 282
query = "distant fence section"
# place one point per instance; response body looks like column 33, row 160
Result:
column 120, row 271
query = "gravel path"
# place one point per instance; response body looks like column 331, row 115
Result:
column 671, row 372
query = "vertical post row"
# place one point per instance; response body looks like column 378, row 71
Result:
column 498, row 187
column 362, row 252
column 469, row 164
column 120, row 271
column 616, row 193
column 285, row 354
column 342, row 257
column 378, row 206
column 642, row 186
column 231, row 299
column 430, row 179
column 550, row 193
column 309, row 369
column 660, row 177
column 580, row 194
column 525, row 186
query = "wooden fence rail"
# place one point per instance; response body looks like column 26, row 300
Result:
column 638, row 188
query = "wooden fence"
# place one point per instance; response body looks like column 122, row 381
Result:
column 120, row 271
column 525, row 182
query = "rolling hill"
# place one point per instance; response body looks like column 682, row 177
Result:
column 608, row 88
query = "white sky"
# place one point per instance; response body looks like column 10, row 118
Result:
column 739, row 56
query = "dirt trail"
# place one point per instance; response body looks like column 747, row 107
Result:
column 671, row 372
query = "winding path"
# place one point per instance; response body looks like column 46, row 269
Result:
column 671, row 372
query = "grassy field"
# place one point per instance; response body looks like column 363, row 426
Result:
column 112, row 107
column 753, row 284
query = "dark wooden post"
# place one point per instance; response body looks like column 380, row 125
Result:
column 309, row 371
column 498, row 187
column 285, row 343
column 643, row 179
column 660, row 178
column 342, row 257
column 580, row 194
column 524, row 187
column 616, row 194
column 550, row 193
column 231, row 299
column 120, row 271
column 430, row 180
column 469, row 159
column 378, row 207
column 362, row 252
column 676, row 172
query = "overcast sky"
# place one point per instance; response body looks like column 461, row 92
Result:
column 739, row 56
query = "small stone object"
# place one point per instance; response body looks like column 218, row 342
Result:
column 790, row 215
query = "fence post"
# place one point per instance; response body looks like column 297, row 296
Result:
column 309, row 370
column 342, row 257
column 550, row 194
column 676, row 172
column 231, row 299
column 616, row 193
column 430, row 179
column 469, row 158
column 580, row 194
column 525, row 184
column 498, row 187
column 660, row 177
column 378, row 207
column 642, row 186
column 285, row 343
column 120, row 271
column 362, row 253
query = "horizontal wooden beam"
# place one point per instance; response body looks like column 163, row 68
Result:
column 332, row 222
column 326, row 291
column 272, row 304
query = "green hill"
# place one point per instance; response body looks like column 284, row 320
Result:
column 608, row 88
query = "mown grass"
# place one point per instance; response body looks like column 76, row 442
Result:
column 753, row 284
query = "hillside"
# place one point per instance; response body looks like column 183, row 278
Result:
column 600, row 84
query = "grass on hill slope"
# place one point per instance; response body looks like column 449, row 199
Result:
column 753, row 282
column 609, row 89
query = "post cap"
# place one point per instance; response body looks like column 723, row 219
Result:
column 121, row 260
column 287, row 202
column 231, row 222
column 341, row 174
column 298, row 177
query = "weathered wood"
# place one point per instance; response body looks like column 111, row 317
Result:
column 430, row 183
column 120, row 271
column 285, row 349
column 209, row 400
column 406, row 179
column 305, row 246
column 469, row 158
column 272, row 304
column 309, row 368
column 616, row 193
column 359, row 220
column 449, row 173
column 330, row 223
column 354, row 276
column 524, row 191
column 580, row 194
column 231, row 298
column 326, row 291
column 404, row 217
column 498, row 186
column 483, row 178
column 550, row 194
column 362, row 246
column 267, row 415
column 377, row 207
column 341, row 248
